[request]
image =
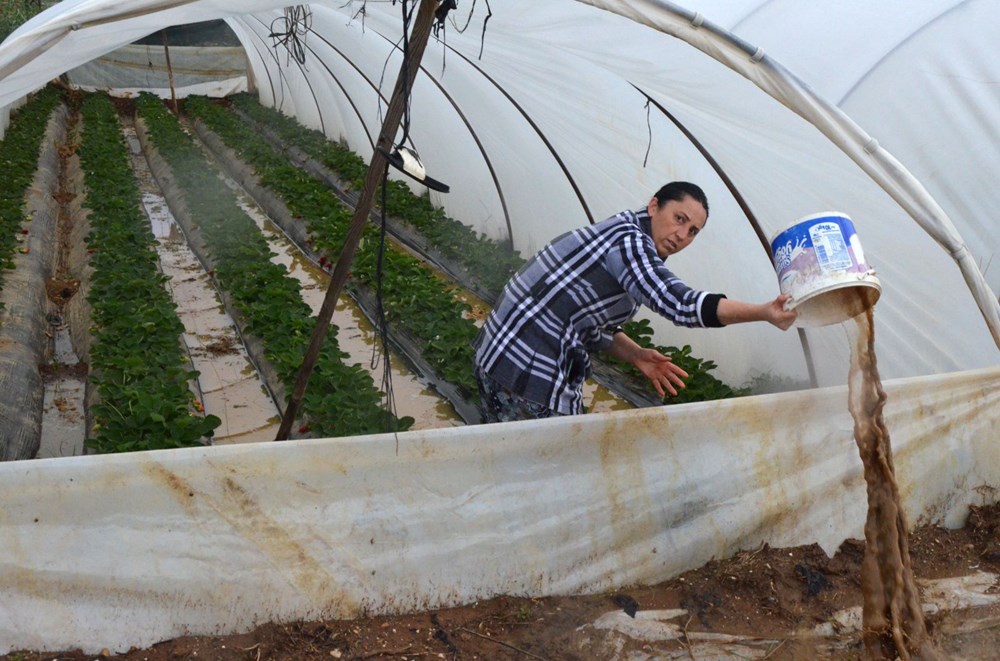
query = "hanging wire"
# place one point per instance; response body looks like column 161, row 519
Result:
column 363, row 13
column 381, row 324
column 468, row 20
column 649, row 132
column 405, row 71
column 402, row 44
column 441, row 13
column 289, row 31
column 438, row 27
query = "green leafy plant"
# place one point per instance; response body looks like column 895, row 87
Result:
column 415, row 298
column 342, row 399
column 137, row 362
column 701, row 385
column 15, row 12
column 18, row 162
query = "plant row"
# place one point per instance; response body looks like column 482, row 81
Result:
column 18, row 162
column 491, row 262
column 342, row 399
column 15, row 12
column 137, row 361
column 415, row 298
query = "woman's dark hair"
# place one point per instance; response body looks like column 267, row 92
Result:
column 678, row 190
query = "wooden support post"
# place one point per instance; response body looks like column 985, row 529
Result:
column 393, row 115
column 170, row 72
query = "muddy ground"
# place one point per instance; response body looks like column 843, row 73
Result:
column 763, row 602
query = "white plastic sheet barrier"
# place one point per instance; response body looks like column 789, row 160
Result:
column 209, row 71
column 127, row 550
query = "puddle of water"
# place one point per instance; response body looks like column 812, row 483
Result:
column 599, row 399
column 229, row 386
column 64, row 421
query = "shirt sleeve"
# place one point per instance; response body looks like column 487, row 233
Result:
column 643, row 275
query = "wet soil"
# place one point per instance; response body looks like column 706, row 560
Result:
column 768, row 600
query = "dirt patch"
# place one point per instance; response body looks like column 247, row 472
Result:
column 765, row 595
column 50, row 371
column 60, row 290
column 222, row 346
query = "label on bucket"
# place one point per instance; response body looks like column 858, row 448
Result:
column 831, row 249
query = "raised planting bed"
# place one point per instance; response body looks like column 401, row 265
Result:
column 263, row 299
column 29, row 159
column 138, row 365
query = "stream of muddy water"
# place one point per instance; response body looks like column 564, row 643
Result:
column 892, row 617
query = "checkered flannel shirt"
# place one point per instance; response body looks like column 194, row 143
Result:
column 569, row 300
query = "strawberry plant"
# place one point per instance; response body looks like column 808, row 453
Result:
column 415, row 298
column 19, row 161
column 342, row 399
column 701, row 385
column 137, row 363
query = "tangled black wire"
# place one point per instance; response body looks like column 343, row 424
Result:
column 290, row 30
column 468, row 20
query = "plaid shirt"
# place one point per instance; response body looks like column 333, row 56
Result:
column 569, row 299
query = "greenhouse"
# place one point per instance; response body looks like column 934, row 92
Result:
column 238, row 318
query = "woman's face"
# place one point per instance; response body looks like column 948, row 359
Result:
column 675, row 224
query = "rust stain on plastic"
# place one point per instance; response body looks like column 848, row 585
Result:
column 241, row 511
column 630, row 510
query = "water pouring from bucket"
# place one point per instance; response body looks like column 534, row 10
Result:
column 820, row 264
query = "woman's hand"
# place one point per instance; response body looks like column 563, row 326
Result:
column 659, row 369
column 778, row 315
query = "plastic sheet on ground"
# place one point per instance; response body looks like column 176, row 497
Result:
column 126, row 550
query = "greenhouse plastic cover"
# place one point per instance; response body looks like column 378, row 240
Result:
column 538, row 120
column 883, row 111
column 126, row 550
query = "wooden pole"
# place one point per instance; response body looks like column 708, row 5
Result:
column 393, row 115
column 170, row 72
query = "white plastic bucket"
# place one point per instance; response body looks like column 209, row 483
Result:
column 819, row 261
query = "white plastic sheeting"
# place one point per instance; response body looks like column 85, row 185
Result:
column 546, row 130
column 549, row 128
column 126, row 550
column 206, row 71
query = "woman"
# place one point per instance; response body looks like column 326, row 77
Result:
column 533, row 353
